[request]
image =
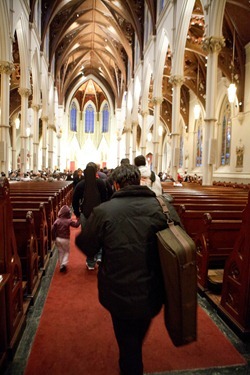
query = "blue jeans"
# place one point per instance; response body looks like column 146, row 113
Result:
column 91, row 261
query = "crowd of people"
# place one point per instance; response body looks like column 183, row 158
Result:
column 119, row 217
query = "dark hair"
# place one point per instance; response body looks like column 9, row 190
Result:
column 92, row 164
column 140, row 160
column 125, row 161
column 91, row 195
column 126, row 174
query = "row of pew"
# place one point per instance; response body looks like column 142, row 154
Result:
column 27, row 213
column 218, row 220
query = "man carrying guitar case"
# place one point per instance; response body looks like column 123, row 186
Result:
column 177, row 256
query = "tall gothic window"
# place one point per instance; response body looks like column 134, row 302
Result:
column 226, row 135
column 105, row 119
column 89, row 119
column 161, row 5
column 199, row 136
column 73, row 117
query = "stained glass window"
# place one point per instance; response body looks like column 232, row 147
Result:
column 105, row 119
column 73, row 117
column 89, row 119
column 226, row 135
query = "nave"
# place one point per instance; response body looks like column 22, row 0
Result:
column 18, row 365
column 219, row 195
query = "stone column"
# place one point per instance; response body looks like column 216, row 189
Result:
column 134, row 139
column 157, row 107
column 6, row 68
column 127, row 131
column 14, row 157
column 24, row 93
column 44, row 142
column 144, row 132
column 213, row 46
column 35, row 108
column 59, row 137
column 176, row 81
column 51, row 129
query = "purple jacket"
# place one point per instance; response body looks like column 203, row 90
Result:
column 61, row 226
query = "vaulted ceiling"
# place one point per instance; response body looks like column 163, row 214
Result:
column 96, row 37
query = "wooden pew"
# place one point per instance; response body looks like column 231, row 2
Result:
column 63, row 188
column 49, row 210
column 193, row 219
column 27, row 246
column 235, row 298
column 13, row 321
column 38, row 196
column 38, row 209
column 214, row 242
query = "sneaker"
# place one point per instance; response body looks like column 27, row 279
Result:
column 99, row 261
column 63, row 268
column 90, row 267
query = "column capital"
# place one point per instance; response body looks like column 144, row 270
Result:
column 36, row 107
column 6, row 67
column 157, row 100
column 134, row 123
column 52, row 127
column 213, row 44
column 176, row 80
column 45, row 118
column 144, row 113
column 24, row 91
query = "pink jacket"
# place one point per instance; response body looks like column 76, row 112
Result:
column 61, row 226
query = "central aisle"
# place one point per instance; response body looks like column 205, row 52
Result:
column 75, row 334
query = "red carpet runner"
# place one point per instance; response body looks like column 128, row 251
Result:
column 75, row 334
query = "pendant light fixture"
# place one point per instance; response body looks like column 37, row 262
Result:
column 231, row 91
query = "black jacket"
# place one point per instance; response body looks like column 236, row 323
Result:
column 104, row 189
column 129, row 277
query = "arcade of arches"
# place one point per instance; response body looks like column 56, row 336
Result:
column 100, row 80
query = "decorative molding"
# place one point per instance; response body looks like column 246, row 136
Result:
column 36, row 107
column 6, row 67
column 176, row 80
column 23, row 91
column 158, row 100
column 52, row 127
column 213, row 44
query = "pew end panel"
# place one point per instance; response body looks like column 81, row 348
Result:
column 11, row 264
column 235, row 298
column 27, row 246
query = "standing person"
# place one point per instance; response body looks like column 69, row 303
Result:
column 148, row 177
column 77, row 177
column 89, row 193
column 61, row 234
column 129, row 278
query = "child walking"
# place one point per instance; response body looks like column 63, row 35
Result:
column 61, row 235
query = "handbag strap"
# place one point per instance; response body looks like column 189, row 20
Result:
column 165, row 209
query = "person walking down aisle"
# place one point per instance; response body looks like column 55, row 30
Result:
column 148, row 177
column 129, row 278
column 89, row 193
column 61, row 235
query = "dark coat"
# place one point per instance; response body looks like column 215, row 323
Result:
column 105, row 191
column 129, row 277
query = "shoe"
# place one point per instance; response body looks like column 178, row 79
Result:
column 63, row 268
column 90, row 267
column 98, row 261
